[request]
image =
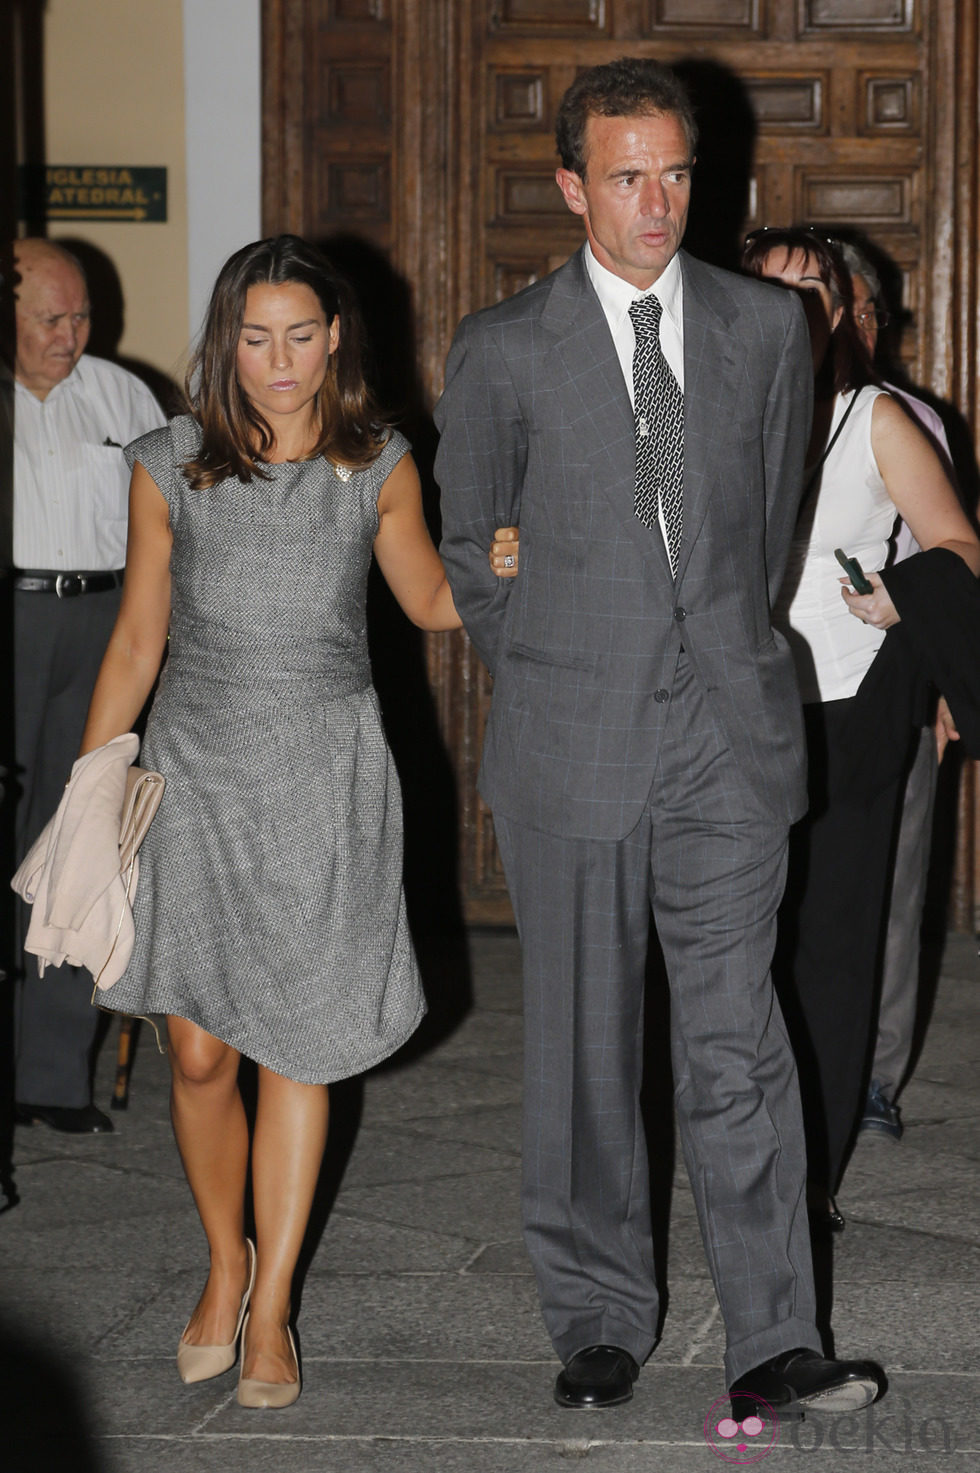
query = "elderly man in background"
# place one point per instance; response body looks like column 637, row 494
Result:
column 900, row 966
column 72, row 416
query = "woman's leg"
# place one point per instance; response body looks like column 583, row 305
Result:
column 831, row 923
column 212, row 1137
column 287, row 1149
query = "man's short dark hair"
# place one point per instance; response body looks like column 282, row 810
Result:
column 632, row 86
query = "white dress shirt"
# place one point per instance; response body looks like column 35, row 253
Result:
column 616, row 296
column 71, row 481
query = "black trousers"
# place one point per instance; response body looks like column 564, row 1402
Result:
column 831, row 926
column 58, row 648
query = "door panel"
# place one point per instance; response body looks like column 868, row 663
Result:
column 425, row 127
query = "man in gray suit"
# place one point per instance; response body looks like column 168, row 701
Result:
column 644, row 745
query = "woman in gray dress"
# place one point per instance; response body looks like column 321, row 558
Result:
column 270, row 917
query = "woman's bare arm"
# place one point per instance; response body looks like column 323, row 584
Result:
column 135, row 650
column 924, row 498
column 408, row 559
column 918, row 484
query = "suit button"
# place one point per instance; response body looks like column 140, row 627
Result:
column 680, row 614
column 661, row 695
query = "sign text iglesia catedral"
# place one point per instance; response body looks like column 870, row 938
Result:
column 94, row 192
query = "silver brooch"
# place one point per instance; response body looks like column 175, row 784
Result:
column 342, row 472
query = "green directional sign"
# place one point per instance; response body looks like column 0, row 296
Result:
column 94, row 192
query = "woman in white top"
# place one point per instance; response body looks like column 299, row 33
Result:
column 867, row 465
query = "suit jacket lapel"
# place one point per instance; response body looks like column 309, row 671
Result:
column 714, row 361
column 596, row 392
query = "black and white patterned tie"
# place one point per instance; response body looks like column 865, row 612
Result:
column 658, row 416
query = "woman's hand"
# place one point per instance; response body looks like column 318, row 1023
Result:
column 946, row 731
column 875, row 608
column 504, row 552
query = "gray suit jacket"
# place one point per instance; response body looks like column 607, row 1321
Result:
column 537, row 428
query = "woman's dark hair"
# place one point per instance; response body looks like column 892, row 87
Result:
column 851, row 367
column 632, row 86
column 235, row 437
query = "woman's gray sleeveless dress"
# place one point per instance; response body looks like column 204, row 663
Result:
column 269, row 909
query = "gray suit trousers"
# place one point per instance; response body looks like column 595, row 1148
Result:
column 711, row 861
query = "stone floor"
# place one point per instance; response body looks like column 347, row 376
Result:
column 421, row 1343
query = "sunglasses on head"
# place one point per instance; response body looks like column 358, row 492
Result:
column 775, row 234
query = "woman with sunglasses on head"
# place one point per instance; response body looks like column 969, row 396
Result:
column 868, row 464
column 270, row 918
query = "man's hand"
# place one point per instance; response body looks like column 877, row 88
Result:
column 875, row 608
column 504, row 552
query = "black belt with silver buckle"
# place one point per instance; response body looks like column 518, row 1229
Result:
column 67, row 585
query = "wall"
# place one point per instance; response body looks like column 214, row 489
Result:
column 114, row 94
column 222, row 75
column 155, row 82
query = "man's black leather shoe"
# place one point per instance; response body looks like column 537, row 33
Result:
column 600, row 1376
column 798, row 1379
column 83, row 1120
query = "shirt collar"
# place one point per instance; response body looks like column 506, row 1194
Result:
column 616, row 295
column 75, row 380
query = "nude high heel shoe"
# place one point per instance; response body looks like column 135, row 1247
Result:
column 201, row 1362
column 252, row 1393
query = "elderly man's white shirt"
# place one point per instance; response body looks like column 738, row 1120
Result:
column 71, row 481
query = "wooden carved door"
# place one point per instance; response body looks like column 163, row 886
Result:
column 424, row 128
